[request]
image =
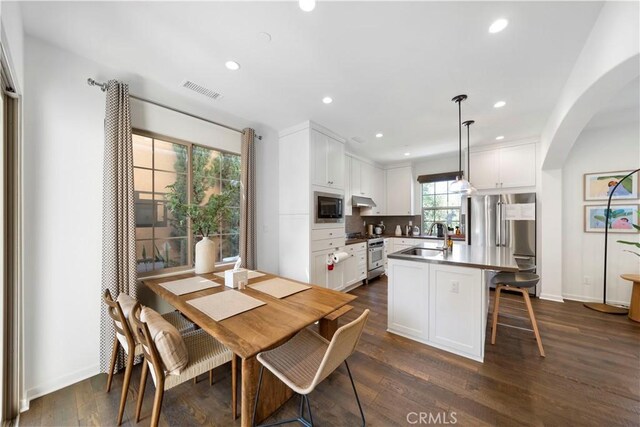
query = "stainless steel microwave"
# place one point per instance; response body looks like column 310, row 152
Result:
column 328, row 207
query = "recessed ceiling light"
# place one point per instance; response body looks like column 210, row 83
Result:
column 232, row 65
column 379, row 135
column 307, row 5
column 498, row 25
column 327, row 100
column 499, row 137
column 499, row 104
column 407, row 154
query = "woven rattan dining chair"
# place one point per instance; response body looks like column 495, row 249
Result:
column 125, row 339
column 306, row 360
column 205, row 354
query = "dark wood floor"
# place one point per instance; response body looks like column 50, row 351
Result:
column 591, row 376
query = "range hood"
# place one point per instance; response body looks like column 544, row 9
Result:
column 362, row 202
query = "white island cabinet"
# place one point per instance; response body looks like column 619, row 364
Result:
column 442, row 300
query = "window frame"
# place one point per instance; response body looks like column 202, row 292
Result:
column 439, row 208
column 190, row 235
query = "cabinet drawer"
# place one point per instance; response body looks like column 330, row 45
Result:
column 320, row 245
column 357, row 247
column 327, row 233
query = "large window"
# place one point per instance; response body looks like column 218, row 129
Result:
column 165, row 168
column 439, row 205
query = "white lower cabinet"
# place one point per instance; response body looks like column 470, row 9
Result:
column 355, row 267
column 455, row 309
column 407, row 299
column 321, row 275
column 346, row 273
column 439, row 305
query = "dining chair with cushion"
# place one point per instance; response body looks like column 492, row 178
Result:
column 119, row 311
column 307, row 359
column 174, row 359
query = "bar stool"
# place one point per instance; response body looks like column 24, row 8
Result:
column 518, row 282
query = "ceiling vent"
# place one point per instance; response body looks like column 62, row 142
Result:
column 201, row 90
column 358, row 140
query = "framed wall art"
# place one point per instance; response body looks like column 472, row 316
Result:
column 598, row 186
column 621, row 218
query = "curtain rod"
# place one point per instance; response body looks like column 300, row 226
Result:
column 103, row 87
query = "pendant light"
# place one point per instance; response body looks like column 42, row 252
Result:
column 472, row 190
column 460, row 185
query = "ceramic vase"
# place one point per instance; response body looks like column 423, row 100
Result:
column 205, row 256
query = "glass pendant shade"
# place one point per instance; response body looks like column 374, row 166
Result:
column 460, row 185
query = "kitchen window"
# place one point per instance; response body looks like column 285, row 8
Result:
column 439, row 205
column 165, row 167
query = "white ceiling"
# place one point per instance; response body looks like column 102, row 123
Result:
column 391, row 67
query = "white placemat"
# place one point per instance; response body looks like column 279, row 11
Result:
column 279, row 288
column 250, row 273
column 191, row 284
column 225, row 304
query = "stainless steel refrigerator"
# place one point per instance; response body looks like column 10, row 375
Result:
column 506, row 220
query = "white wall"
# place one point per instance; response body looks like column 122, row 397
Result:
column 12, row 36
column 596, row 150
column 63, row 141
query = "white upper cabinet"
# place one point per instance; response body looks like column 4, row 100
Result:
column 505, row 167
column 356, row 177
column 518, row 166
column 366, row 179
column 377, row 193
column 484, row 172
column 327, row 161
column 400, row 191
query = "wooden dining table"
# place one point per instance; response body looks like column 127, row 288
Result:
column 251, row 332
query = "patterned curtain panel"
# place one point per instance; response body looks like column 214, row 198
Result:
column 248, row 200
column 118, row 216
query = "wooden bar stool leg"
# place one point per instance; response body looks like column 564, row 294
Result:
column 211, row 377
column 496, row 305
column 527, row 301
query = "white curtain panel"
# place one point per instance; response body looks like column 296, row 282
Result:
column 248, row 200
column 118, row 214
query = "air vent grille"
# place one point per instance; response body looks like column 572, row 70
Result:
column 202, row 90
column 358, row 140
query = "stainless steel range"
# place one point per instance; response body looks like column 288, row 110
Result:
column 375, row 258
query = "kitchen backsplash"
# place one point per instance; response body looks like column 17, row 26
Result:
column 354, row 223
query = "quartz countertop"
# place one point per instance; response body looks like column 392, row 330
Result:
column 355, row 240
column 486, row 258
column 454, row 237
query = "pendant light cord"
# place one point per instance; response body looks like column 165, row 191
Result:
column 460, row 138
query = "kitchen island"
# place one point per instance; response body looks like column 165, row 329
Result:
column 442, row 298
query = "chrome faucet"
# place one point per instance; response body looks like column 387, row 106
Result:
column 445, row 241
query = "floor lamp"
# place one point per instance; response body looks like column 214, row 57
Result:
column 603, row 306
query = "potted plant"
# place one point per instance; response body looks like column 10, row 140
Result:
column 206, row 218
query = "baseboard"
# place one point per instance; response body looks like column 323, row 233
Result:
column 582, row 298
column 24, row 407
column 551, row 297
column 57, row 384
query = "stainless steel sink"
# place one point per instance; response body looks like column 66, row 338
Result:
column 422, row 252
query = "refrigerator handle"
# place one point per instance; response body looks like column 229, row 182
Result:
column 498, row 224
